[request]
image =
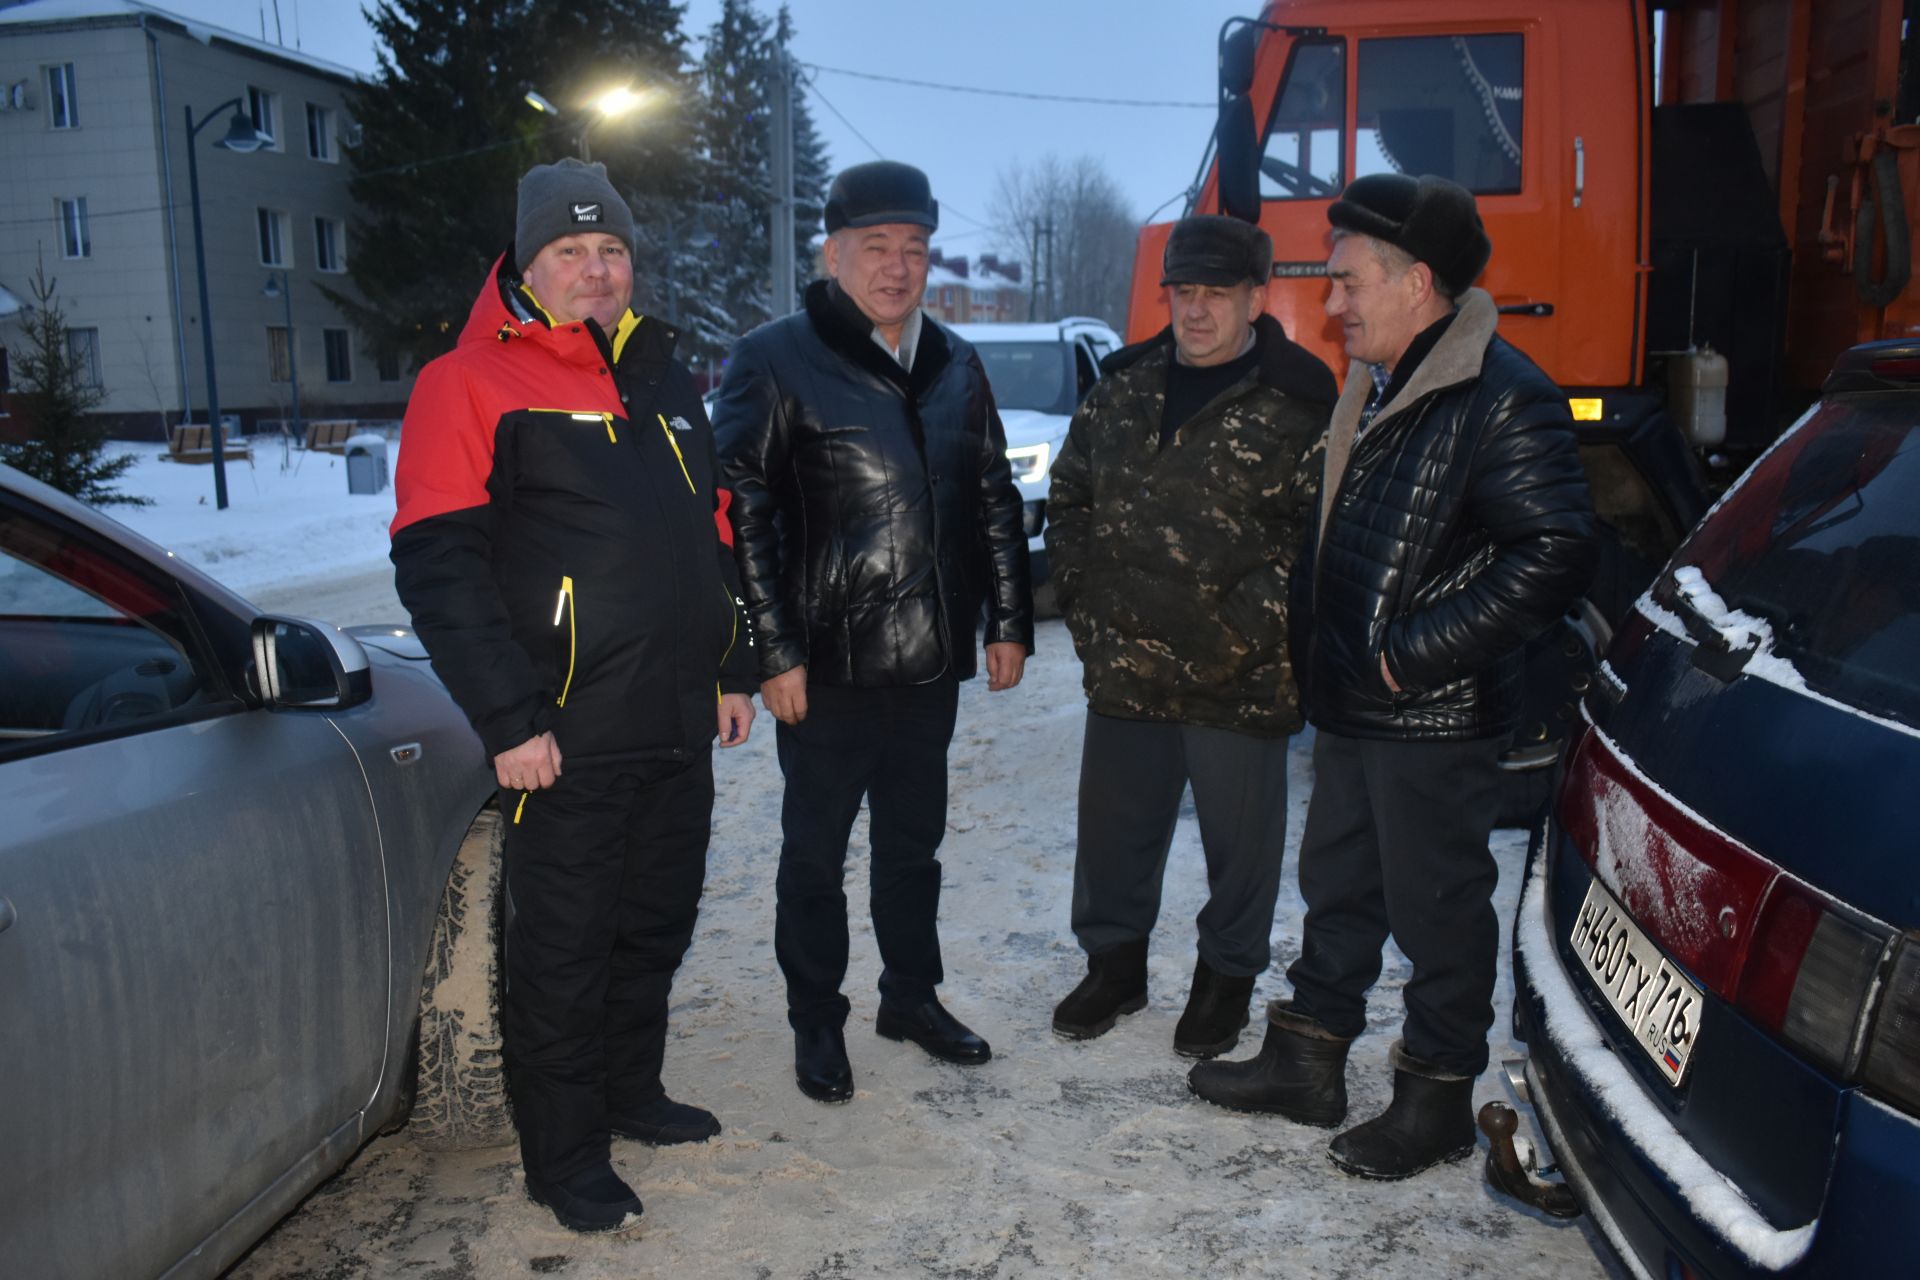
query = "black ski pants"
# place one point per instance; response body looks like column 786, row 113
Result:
column 603, row 872
column 889, row 747
column 1396, row 844
column 1132, row 775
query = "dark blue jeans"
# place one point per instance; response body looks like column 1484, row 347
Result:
column 889, row 747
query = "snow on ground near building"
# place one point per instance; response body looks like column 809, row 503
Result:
column 1055, row 1159
column 289, row 517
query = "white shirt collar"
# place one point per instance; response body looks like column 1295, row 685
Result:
column 909, row 340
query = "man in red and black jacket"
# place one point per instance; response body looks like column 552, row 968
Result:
column 567, row 560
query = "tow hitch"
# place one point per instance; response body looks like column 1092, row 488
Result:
column 1513, row 1170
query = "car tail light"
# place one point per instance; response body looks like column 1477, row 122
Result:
column 1893, row 1050
column 1840, row 989
column 1811, row 972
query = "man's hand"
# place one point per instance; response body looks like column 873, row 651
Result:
column 531, row 766
column 1387, row 675
column 1006, row 663
column 785, row 695
column 736, row 718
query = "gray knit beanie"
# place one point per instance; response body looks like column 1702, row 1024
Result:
column 567, row 198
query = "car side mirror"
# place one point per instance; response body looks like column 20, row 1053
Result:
column 312, row 666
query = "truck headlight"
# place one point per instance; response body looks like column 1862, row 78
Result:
column 1029, row 461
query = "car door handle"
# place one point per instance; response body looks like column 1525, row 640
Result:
column 7, row 914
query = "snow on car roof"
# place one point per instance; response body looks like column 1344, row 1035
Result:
column 979, row 333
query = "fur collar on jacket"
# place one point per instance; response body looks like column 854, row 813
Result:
column 1456, row 358
column 849, row 334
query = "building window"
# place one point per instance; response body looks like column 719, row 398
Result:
column 329, row 245
column 388, row 361
column 279, row 354
column 263, row 108
column 76, row 241
column 273, row 237
column 339, row 355
column 319, row 133
column 83, row 348
column 62, row 109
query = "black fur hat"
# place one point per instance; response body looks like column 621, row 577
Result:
column 881, row 191
column 1209, row 249
column 1431, row 218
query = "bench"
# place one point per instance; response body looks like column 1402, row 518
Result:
column 193, row 442
column 330, row 435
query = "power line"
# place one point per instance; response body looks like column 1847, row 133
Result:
column 878, row 154
column 1008, row 93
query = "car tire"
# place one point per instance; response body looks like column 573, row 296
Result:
column 460, row 1098
column 1046, row 600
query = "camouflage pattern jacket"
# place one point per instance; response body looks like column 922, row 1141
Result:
column 1173, row 566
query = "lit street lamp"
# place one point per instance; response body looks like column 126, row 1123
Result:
column 278, row 286
column 609, row 105
column 243, row 138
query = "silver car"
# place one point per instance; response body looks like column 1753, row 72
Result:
column 246, row 903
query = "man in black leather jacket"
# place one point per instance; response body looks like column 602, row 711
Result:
column 1455, row 525
column 874, row 513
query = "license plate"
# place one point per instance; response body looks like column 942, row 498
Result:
column 1658, row 1004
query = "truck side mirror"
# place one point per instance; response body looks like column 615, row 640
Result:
column 1239, row 153
column 1236, row 58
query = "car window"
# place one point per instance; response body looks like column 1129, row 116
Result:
column 1446, row 105
column 1822, row 540
column 85, row 644
column 1085, row 371
column 1030, row 375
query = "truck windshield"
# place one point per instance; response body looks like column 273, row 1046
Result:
column 1822, row 540
column 1306, row 134
column 1445, row 105
column 1029, row 375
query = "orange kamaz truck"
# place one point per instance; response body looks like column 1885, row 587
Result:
column 1694, row 208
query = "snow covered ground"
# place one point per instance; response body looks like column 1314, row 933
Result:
column 1055, row 1159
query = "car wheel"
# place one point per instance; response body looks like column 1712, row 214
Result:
column 1046, row 600
column 460, row 1097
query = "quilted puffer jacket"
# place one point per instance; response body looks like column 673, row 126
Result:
column 873, row 509
column 1454, row 528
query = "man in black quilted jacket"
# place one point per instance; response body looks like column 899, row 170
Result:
column 874, row 514
column 1455, row 525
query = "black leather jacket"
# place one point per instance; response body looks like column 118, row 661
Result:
column 1460, row 529
column 873, row 509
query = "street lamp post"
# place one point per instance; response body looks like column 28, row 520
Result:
column 278, row 285
column 614, row 102
column 241, row 137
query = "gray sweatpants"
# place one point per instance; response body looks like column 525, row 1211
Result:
column 1132, row 775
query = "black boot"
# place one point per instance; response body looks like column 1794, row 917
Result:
column 1300, row 1073
column 820, row 1065
column 1429, row 1122
column 1216, row 1010
column 1116, row 983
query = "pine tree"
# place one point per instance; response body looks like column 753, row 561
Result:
column 446, row 134
column 738, row 190
column 65, row 447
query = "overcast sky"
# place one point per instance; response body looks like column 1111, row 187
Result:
column 1157, row 50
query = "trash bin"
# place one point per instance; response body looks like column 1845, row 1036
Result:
column 366, row 463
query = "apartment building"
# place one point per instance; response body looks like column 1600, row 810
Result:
column 95, row 97
column 985, row 291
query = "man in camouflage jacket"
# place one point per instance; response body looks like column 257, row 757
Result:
column 1181, row 501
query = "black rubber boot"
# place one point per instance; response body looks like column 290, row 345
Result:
column 1429, row 1122
column 1300, row 1073
column 593, row 1200
column 1116, row 983
column 664, row 1123
column 1216, row 1010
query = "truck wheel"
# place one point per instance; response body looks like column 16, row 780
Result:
column 461, row 1092
column 1560, row 667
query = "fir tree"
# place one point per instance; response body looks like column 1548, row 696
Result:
column 446, row 134
column 65, row 447
column 738, row 189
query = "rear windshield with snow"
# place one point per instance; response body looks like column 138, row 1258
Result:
column 1822, row 541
